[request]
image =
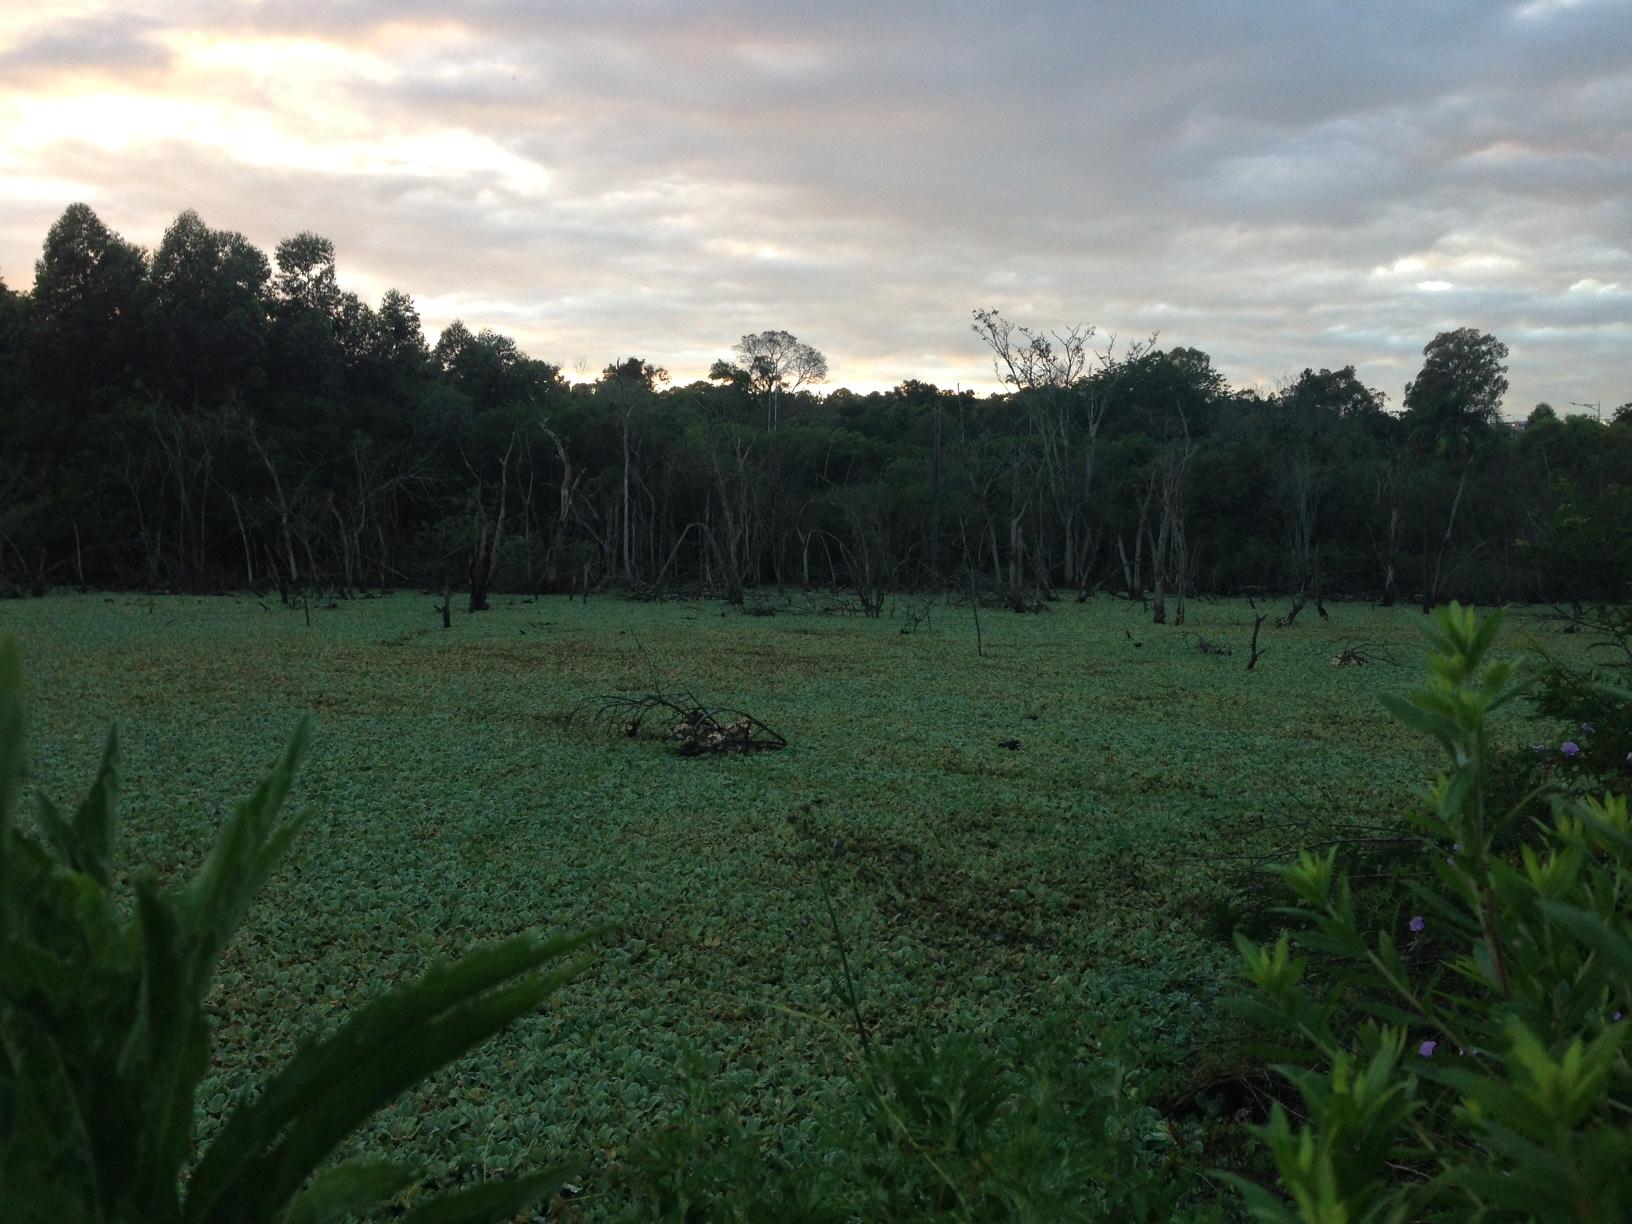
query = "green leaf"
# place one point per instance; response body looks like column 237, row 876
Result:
column 13, row 726
column 168, row 1050
column 59, row 834
column 1595, row 933
column 86, row 844
column 1482, row 639
column 350, row 1187
column 494, row 1201
column 93, row 822
column 243, row 856
column 268, row 1147
column 1418, row 719
column 46, row 1173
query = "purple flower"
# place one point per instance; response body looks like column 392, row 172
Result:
column 1570, row 748
column 1616, row 1016
column 1427, row 1048
column 1586, row 728
column 1417, row 923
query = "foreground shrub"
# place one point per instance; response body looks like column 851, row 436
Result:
column 1024, row 1127
column 1591, row 703
column 104, row 1037
column 1486, row 1075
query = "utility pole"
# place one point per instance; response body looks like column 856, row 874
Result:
column 1597, row 409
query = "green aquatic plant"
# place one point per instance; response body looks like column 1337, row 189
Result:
column 104, row 1034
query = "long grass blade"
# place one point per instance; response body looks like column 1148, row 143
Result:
column 487, row 1204
column 349, row 1188
column 385, row 1047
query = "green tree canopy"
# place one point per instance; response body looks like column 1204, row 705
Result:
column 88, row 295
column 209, row 310
column 1460, row 387
column 1337, row 392
column 306, row 276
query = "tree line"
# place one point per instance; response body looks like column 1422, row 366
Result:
column 200, row 417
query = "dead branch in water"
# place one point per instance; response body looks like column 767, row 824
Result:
column 694, row 728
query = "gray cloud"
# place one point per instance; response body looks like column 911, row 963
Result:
column 1281, row 184
column 107, row 43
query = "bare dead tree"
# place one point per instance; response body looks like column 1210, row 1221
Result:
column 187, row 445
column 1017, row 556
column 1066, row 387
column 974, row 606
column 934, row 488
column 1096, row 397
column 1028, row 360
column 372, row 488
column 1388, row 487
column 1298, row 489
column 867, row 553
column 1255, row 653
column 1431, row 581
column 730, row 542
column 1133, row 572
column 243, row 536
column 1169, row 560
column 628, row 386
column 485, row 536
column 280, row 502
column 981, row 462
column 566, row 503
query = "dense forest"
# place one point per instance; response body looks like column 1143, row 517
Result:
column 200, row 417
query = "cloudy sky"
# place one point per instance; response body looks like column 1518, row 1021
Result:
column 1281, row 184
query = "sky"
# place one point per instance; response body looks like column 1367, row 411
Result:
column 1282, row 185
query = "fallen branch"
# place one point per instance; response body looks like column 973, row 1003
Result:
column 694, row 728
column 1361, row 654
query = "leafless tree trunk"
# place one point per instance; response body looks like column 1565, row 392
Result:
column 934, row 493
column 1017, row 557
column 868, row 555
column 1135, row 575
column 243, row 535
column 674, row 552
column 484, row 550
column 1300, row 519
column 735, row 503
column 625, row 517
column 1255, row 654
column 343, row 540
column 1386, row 494
column 1430, row 594
column 282, row 502
column 564, row 505
column 1167, row 558
column 1391, row 552
column 1159, row 562
column 187, row 446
